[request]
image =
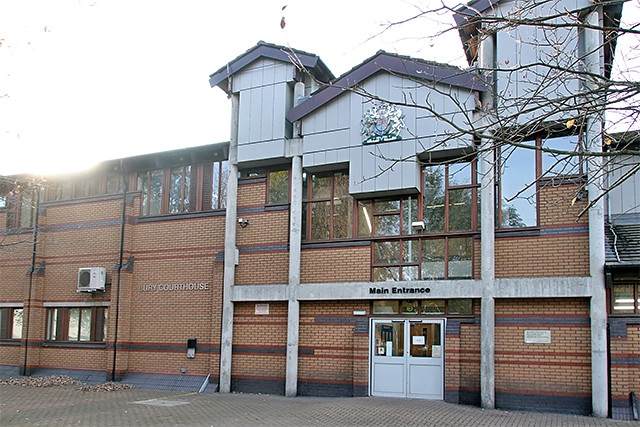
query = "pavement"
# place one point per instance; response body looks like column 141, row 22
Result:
column 67, row 405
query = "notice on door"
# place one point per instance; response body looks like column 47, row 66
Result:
column 417, row 340
column 537, row 337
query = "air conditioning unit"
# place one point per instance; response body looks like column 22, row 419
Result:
column 91, row 279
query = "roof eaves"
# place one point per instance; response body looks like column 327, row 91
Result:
column 272, row 51
column 393, row 63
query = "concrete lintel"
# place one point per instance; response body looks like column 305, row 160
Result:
column 363, row 290
column 543, row 287
column 243, row 293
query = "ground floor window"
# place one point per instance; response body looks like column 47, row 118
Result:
column 625, row 298
column 77, row 323
column 462, row 306
column 11, row 321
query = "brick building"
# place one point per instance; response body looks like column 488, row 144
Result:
column 337, row 245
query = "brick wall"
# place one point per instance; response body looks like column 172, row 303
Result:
column 625, row 359
column 549, row 377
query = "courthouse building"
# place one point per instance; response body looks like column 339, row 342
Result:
column 346, row 241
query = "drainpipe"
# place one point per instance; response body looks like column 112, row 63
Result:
column 119, row 273
column 31, row 273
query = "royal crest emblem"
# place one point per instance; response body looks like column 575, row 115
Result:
column 381, row 123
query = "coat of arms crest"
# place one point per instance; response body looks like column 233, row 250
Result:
column 381, row 123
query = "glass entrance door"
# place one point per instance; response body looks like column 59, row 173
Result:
column 407, row 358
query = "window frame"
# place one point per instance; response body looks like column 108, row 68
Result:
column 8, row 323
column 308, row 202
column 58, row 321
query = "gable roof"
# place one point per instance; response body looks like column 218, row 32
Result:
column 395, row 64
column 309, row 61
column 467, row 21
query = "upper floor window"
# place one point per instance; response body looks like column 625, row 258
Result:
column 450, row 197
column 278, row 186
column 11, row 323
column 563, row 156
column 387, row 217
column 21, row 209
column 182, row 189
column 516, row 191
column 327, row 206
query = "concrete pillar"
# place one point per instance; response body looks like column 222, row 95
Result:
column 487, row 235
column 295, row 237
column 230, row 257
column 594, row 64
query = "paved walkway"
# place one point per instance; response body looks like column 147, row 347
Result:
column 65, row 405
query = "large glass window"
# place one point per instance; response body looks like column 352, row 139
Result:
column 450, row 195
column 562, row 158
column 328, row 207
column 516, row 194
column 11, row 321
column 77, row 324
column 150, row 185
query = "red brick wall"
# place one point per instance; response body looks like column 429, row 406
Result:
column 561, row 368
column 625, row 367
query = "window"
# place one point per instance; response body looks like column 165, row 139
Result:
column 463, row 306
column 22, row 209
column 624, row 294
column 450, row 197
column 179, row 189
column 11, row 322
column 516, row 192
column 278, row 187
column 328, row 207
column 77, row 324
column 219, row 180
column 556, row 164
column 150, row 184
column 387, row 217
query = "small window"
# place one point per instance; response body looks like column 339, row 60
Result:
column 563, row 157
column 328, row 207
column 625, row 298
column 516, row 195
column 11, row 322
column 278, row 187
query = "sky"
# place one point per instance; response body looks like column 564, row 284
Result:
column 82, row 81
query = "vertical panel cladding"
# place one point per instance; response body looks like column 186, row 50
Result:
column 259, row 348
column 561, row 205
column 354, row 266
column 546, row 256
column 625, row 363
column 333, row 349
column 539, row 63
column 624, row 198
column 554, row 376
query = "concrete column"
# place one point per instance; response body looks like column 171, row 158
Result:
column 594, row 64
column 295, row 237
column 230, row 258
column 487, row 235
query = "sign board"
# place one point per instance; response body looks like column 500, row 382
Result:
column 537, row 337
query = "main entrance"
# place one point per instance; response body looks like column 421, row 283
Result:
column 407, row 358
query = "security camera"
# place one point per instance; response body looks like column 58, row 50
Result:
column 417, row 225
